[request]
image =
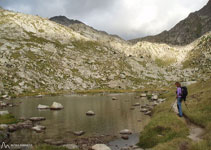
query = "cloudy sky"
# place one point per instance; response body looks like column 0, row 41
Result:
column 126, row 18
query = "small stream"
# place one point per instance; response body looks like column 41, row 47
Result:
column 111, row 117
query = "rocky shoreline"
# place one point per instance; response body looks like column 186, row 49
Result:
column 84, row 143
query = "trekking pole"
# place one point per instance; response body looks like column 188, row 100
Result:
column 186, row 106
column 172, row 106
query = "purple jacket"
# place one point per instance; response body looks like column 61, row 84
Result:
column 179, row 92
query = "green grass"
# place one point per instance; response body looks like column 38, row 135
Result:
column 165, row 62
column 166, row 130
column 7, row 119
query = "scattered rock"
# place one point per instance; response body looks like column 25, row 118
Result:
column 70, row 146
column 3, row 126
column 100, row 147
column 144, row 110
column 114, row 98
column 161, row 100
column 56, row 106
column 38, row 128
column 4, row 112
column 90, row 113
column 25, row 124
column 39, row 96
column 78, row 133
column 136, row 104
column 3, row 104
column 148, row 113
column 5, row 96
column 12, row 128
column 154, row 97
column 125, row 131
column 37, row 118
column 125, row 137
column 143, row 95
column 125, row 148
column 42, row 106
column 122, row 76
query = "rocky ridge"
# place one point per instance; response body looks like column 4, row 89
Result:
column 186, row 31
column 41, row 56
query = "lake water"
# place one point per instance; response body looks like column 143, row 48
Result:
column 111, row 116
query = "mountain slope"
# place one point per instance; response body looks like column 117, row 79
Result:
column 186, row 31
column 39, row 56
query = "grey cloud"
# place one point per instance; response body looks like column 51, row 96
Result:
column 127, row 18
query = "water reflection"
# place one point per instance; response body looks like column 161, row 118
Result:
column 111, row 116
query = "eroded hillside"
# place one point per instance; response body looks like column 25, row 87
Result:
column 39, row 56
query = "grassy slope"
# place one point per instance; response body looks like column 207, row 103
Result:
column 167, row 131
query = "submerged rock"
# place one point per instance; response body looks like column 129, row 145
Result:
column 56, row 106
column 42, row 106
column 125, row 131
column 37, row 118
column 125, row 137
column 38, row 128
column 100, row 147
column 90, row 113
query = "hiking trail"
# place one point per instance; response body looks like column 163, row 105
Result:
column 195, row 131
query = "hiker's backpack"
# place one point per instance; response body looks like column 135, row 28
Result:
column 184, row 92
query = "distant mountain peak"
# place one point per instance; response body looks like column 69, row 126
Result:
column 186, row 31
column 64, row 20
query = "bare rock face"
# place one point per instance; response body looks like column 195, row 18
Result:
column 56, row 106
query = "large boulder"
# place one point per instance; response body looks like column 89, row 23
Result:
column 56, row 106
column 100, row 147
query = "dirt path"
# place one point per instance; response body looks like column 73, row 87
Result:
column 195, row 132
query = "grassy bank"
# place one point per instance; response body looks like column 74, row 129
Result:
column 166, row 131
column 8, row 119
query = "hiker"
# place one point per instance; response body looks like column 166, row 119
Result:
column 179, row 98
